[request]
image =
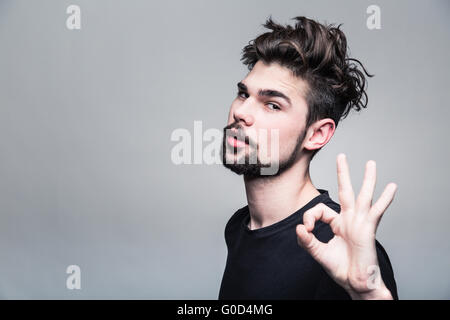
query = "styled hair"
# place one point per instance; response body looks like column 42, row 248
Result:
column 317, row 54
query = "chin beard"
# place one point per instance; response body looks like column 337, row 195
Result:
column 247, row 169
column 254, row 170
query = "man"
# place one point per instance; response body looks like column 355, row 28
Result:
column 292, row 241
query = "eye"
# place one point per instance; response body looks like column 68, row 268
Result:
column 242, row 94
column 273, row 106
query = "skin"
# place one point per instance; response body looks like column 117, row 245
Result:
column 347, row 257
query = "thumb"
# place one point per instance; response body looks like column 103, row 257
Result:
column 308, row 241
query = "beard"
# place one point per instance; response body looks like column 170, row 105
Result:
column 248, row 166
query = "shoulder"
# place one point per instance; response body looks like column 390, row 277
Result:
column 235, row 221
column 237, row 216
column 332, row 204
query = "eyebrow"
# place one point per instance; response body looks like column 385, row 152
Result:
column 266, row 92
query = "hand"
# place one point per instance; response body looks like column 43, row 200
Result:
column 350, row 258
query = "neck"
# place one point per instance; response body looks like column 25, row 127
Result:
column 273, row 198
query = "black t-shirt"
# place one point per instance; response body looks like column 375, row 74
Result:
column 268, row 263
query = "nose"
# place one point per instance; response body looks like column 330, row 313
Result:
column 242, row 114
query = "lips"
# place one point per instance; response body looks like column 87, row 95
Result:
column 236, row 137
column 232, row 141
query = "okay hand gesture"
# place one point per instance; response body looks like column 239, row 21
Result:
column 350, row 258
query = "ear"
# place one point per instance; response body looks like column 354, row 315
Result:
column 319, row 133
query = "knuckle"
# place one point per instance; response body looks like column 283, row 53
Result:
column 320, row 205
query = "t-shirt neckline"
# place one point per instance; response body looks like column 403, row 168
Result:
column 280, row 225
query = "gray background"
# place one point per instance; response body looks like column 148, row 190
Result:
column 86, row 116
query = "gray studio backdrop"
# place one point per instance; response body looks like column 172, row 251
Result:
column 86, row 117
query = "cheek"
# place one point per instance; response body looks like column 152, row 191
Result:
column 271, row 143
column 284, row 139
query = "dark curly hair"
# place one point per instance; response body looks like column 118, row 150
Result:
column 317, row 54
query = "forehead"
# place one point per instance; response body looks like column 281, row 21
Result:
column 276, row 77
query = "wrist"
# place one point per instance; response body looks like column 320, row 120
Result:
column 381, row 293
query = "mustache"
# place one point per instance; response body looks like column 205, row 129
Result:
column 239, row 134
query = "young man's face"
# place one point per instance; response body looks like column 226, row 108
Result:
column 270, row 100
